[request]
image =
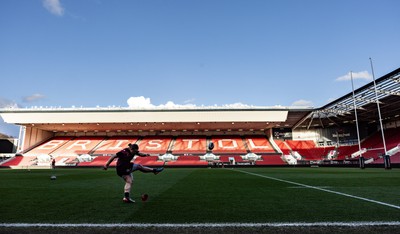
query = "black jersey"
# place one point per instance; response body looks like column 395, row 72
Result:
column 124, row 164
column 124, row 157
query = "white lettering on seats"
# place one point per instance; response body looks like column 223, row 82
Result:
column 229, row 144
column 154, row 144
column 120, row 144
column 80, row 143
column 190, row 142
column 256, row 146
column 51, row 144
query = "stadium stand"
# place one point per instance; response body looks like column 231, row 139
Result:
column 63, row 161
column 48, row 147
column 308, row 149
column 78, row 146
column 155, row 145
column 113, row 144
column 191, row 150
column 372, row 145
column 151, row 161
column 344, row 152
column 230, row 158
column 259, row 144
column 228, row 144
column 394, row 159
column 272, row 160
column 15, row 161
column 189, row 145
column 98, row 161
column 283, row 146
column 20, row 161
column 188, row 161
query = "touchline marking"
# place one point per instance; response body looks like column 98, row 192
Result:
column 302, row 187
column 321, row 189
column 199, row 225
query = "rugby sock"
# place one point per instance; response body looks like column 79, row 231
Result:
column 127, row 195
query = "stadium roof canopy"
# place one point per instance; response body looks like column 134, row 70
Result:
column 342, row 110
column 115, row 119
column 125, row 119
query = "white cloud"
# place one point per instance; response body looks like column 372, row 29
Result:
column 33, row 98
column 140, row 102
column 5, row 103
column 145, row 103
column 236, row 105
column 356, row 75
column 189, row 101
column 303, row 102
column 54, row 7
column 171, row 105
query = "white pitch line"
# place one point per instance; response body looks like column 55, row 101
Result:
column 301, row 187
column 200, row 225
column 321, row 189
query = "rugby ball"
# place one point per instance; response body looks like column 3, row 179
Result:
column 211, row 146
column 53, row 177
column 145, row 197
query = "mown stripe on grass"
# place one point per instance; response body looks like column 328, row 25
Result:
column 196, row 225
column 322, row 189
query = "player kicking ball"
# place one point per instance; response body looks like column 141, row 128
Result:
column 125, row 168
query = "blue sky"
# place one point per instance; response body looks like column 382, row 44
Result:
column 189, row 52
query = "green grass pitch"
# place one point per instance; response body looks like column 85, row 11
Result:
column 202, row 195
